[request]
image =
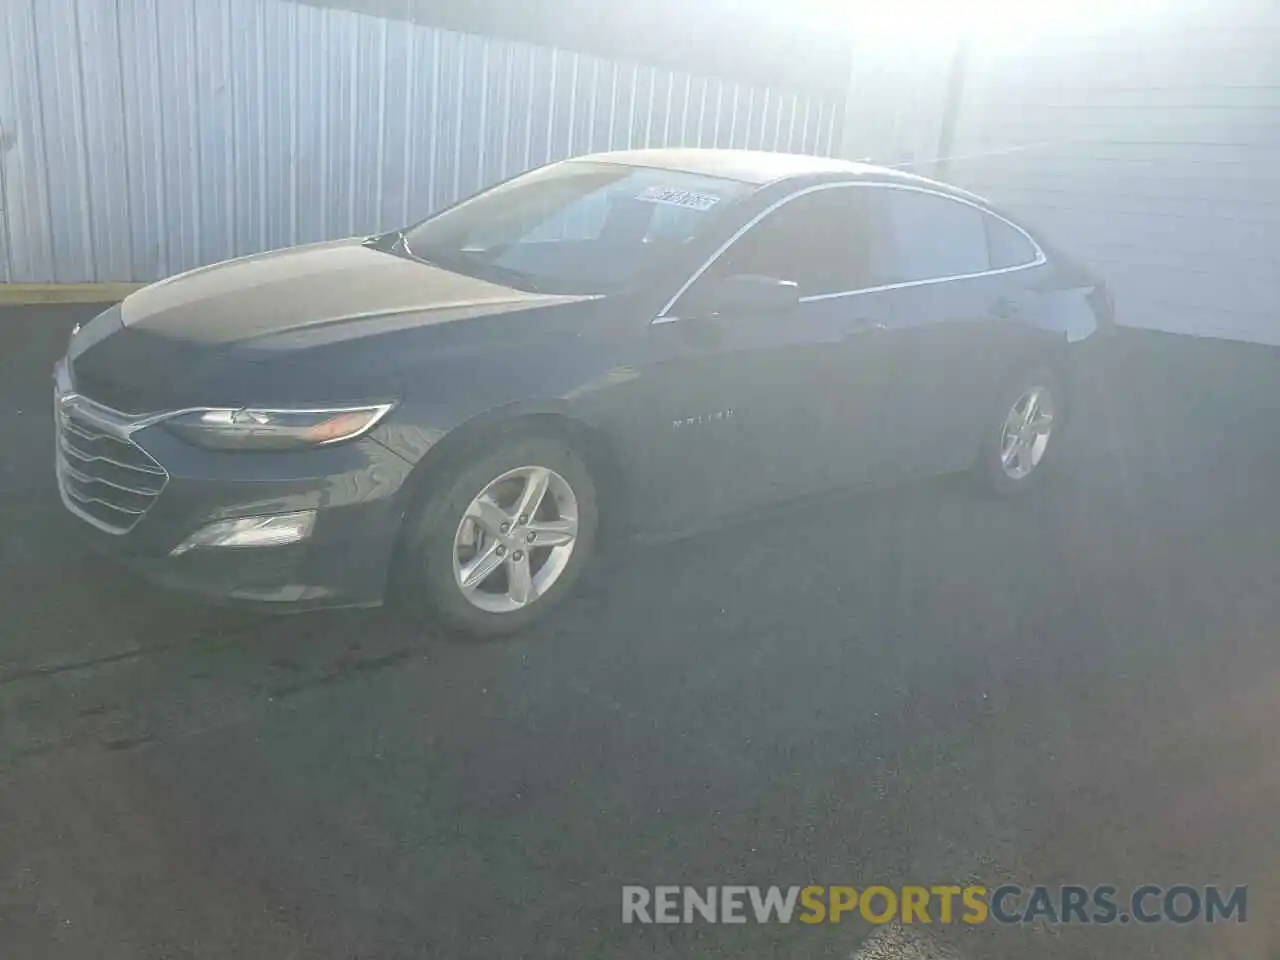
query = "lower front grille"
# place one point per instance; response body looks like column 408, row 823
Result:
column 109, row 481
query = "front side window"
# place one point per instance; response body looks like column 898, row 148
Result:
column 574, row 227
column 820, row 240
column 930, row 237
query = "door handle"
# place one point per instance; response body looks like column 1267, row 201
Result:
column 862, row 325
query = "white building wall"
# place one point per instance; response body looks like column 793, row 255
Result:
column 1151, row 152
column 896, row 103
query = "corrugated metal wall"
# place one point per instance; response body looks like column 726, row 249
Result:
column 140, row 138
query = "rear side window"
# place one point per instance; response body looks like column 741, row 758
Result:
column 1007, row 246
column 931, row 237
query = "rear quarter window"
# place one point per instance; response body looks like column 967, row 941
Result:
column 1007, row 246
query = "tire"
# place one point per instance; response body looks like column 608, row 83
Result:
column 452, row 533
column 1010, row 463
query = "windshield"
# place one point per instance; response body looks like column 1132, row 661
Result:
column 575, row 227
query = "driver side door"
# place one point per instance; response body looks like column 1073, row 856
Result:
column 756, row 406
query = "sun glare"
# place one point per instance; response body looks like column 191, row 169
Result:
column 994, row 20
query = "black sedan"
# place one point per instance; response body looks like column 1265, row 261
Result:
column 650, row 341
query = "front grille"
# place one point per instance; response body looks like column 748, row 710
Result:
column 108, row 481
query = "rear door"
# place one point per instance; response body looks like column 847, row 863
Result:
column 962, row 290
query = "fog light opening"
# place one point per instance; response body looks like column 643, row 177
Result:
column 272, row 531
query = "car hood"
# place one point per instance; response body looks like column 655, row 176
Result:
column 321, row 284
column 163, row 344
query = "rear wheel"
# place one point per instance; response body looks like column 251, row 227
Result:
column 1021, row 432
column 504, row 541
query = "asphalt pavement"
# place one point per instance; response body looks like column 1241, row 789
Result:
column 1081, row 686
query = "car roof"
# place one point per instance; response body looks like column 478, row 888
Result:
column 759, row 167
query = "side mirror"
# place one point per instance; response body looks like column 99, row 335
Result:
column 743, row 294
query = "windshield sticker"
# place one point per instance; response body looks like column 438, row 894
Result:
column 678, row 198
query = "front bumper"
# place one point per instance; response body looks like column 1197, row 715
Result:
column 355, row 489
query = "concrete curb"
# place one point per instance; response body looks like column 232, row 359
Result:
column 20, row 294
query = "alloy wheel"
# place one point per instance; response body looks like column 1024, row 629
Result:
column 515, row 539
column 1025, row 433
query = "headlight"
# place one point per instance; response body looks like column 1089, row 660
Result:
column 255, row 429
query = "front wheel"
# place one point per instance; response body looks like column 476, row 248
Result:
column 504, row 541
column 1022, row 431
